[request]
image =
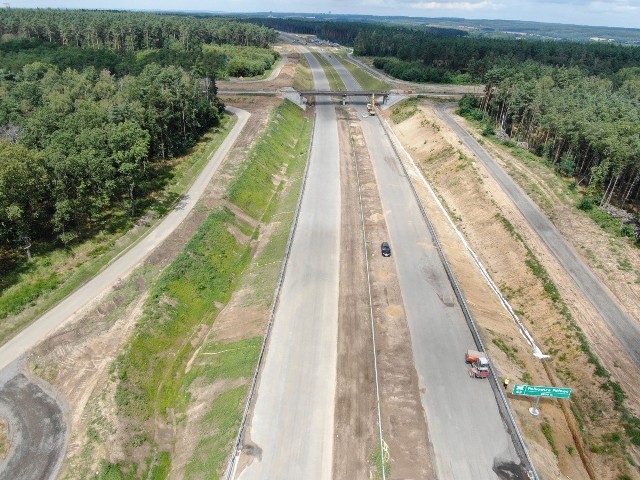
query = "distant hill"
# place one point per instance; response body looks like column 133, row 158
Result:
column 487, row 28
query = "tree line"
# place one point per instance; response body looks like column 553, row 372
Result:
column 576, row 103
column 443, row 55
column 126, row 31
column 217, row 61
column 93, row 102
column 587, row 126
column 78, row 146
column 477, row 56
column 347, row 33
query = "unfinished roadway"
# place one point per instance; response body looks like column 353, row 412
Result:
column 439, row 331
column 290, row 431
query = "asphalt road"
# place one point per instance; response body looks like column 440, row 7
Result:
column 623, row 326
column 37, row 428
column 461, row 412
column 71, row 306
column 292, row 422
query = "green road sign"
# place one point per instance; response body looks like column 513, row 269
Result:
column 533, row 391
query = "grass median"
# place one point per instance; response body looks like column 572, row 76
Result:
column 364, row 78
column 335, row 82
column 303, row 78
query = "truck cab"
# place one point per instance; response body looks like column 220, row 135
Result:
column 479, row 364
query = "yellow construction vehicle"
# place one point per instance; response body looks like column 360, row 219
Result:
column 371, row 107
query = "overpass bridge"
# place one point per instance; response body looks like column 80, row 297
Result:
column 344, row 94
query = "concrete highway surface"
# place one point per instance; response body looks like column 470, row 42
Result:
column 624, row 327
column 292, row 422
column 468, row 436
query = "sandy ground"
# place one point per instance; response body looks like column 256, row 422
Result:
column 403, row 423
column 284, row 79
column 356, row 432
column 356, row 420
column 474, row 201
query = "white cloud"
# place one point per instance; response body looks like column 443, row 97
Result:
column 619, row 6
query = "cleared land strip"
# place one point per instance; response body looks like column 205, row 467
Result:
column 355, row 412
column 403, row 423
column 624, row 327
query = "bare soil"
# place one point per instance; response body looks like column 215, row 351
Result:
column 474, row 200
column 403, row 423
column 356, row 433
column 284, row 79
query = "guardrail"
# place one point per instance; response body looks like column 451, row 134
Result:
column 503, row 405
column 237, row 447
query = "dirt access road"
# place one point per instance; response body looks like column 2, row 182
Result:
column 68, row 309
column 624, row 327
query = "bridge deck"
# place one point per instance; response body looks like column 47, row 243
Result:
column 349, row 93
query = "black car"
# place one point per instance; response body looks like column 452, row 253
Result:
column 386, row 249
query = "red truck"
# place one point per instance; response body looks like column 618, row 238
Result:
column 479, row 364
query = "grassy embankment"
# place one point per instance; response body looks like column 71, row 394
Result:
column 54, row 273
column 335, row 82
column 303, row 79
column 4, row 439
column 152, row 378
column 364, row 78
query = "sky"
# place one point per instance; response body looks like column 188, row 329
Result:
column 610, row 13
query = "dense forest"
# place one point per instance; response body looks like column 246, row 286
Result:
column 476, row 56
column 88, row 114
column 588, row 126
column 444, row 55
column 126, row 31
column 346, row 33
column 486, row 28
